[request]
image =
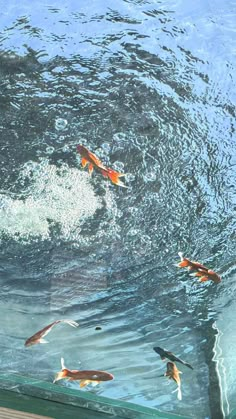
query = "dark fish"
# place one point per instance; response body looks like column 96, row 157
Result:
column 167, row 354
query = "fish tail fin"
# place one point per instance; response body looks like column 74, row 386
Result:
column 71, row 323
column 63, row 364
column 188, row 365
column 60, row 375
column 179, row 394
column 63, row 373
column 183, row 264
column 115, row 177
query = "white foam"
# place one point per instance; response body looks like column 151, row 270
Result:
column 63, row 197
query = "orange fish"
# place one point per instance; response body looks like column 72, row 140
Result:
column 208, row 275
column 38, row 337
column 173, row 373
column 85, row 377
column 90, row 159
column 203, row 272
column 191, row 265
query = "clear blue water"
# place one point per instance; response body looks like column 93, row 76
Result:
column 149, row 87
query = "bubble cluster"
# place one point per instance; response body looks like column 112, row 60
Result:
column 119, row 166
column 63, row 197
column 106, row 147
column 50, row 150
column 130, row 177
column 150, row 177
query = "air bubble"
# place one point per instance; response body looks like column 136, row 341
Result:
column 66, row 148
column 50, row 150
column 150, row 177
column 133, row 232
column 119, row 166
column 133, row 210
column 60, row 124
column 106, row 147
column 119, row 136
column 129, row 177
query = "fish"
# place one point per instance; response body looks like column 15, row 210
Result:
column 167, row 354
column 38, row 337
column 173, row 373
column 85, row 377
column 203, row 272
column 88, row 158
column 208, row 275
column 191, row 265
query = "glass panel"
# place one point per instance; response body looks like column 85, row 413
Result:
column 86, row 403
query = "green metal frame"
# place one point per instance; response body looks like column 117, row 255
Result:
column 81, row 399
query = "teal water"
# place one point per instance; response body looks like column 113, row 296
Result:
column 148, row 87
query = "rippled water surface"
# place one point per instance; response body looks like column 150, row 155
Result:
column 149, row 86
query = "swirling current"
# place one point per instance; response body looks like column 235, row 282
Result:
column 149, row 87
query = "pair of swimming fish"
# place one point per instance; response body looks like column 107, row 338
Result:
column 172, row 371
column 204, row 275
column 202, row 271
column 85, row 377
column 88, row 158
